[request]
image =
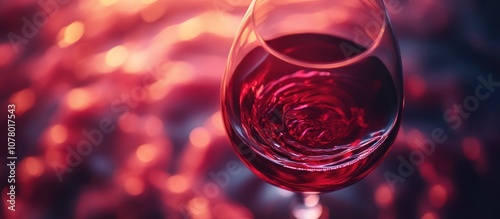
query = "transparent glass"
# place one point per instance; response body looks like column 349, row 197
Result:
column 312, row 94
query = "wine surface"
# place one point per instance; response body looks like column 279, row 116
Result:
column 307, row 129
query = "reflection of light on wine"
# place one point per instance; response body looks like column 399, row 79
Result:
column 146, row 152
column 34, row 166
column 437, row 196
column 153, row 126
column 71, row 34
column 383, row 196
column 58, row 133
column 24, row 100
column 178, row 184
column 116, row 56
column 200, row 137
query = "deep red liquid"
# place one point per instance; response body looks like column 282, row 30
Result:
column 307, row 129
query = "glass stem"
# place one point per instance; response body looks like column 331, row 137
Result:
column 306, row 206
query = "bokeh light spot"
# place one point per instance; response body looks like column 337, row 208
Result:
column 154, row 11
column 198, row 206
column 23, row 100
column 438, row 196
column 413, row 137
column 107, row 2
column 7, row 54
column 147, row 2
column 146, row 152
column 58, row 133
column 427, row 171
column 34, row 166
column 78, row 99
column 200, row 137
column 383, row 196
column 116, row 56
column 178, row 72
column 134, row 186
column 177, row 184
column 153, row 126
column 229, row 211
column 217, row 123
column 311, row 200
column 471, row 148
column 430, row 215
column 416, row 85
column 135, row 63
column 190, row 29
column 71, row 34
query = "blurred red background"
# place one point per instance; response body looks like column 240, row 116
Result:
column 117, row 113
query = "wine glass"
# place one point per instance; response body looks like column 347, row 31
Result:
column 312, row 94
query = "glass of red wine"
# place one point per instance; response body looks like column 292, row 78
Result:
column 312, row 94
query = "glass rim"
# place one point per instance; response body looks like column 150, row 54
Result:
column 324, row 65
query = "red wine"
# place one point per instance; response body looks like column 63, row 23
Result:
column 307, row 129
